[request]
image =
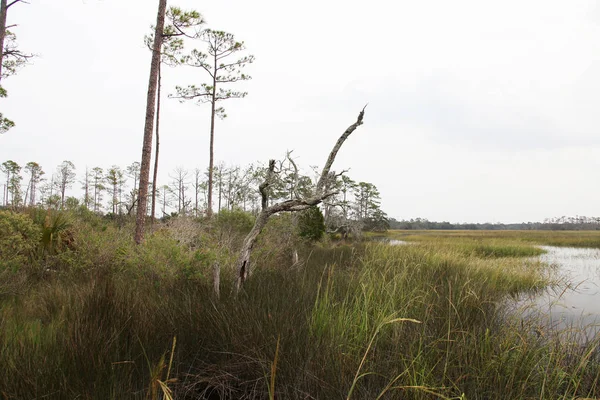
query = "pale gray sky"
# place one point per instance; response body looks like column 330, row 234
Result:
column 478, row 110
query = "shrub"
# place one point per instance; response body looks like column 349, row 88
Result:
column 19, row 238
column 55, row 227
column 234, row 221
column 311, row 224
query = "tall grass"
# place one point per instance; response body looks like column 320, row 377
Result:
column 101, row 324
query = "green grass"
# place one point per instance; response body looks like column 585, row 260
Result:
column 362, row 321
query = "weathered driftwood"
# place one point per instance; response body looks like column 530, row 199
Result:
column 321, row 193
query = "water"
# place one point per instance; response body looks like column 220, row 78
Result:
column 573, row 304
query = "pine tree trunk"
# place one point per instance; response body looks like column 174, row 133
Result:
column 3, row 13
column 212, row 145
column 155, row 173
column 149, row 124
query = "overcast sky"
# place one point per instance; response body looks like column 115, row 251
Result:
column 478, row 110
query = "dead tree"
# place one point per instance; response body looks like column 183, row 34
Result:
column 320, row 193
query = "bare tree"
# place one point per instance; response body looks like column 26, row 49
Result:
column 114, row 177
column 199, row 184
column 140, row 219
column 297, row 204
column 166, row 200
column 97, row 179
column 87, row 200
column 220, row 46
column 179, row 187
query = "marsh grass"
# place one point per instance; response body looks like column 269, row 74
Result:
column 589, row 239
column 341, row 325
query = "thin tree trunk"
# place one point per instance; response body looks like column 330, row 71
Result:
column 149, row 124
column 32, row 195
column 155, row 174
column 3, row 13
column 28, row 189
column 196, row 190
column 212, row 144
column 7, row 188
column 220, row 189
column 87, row 190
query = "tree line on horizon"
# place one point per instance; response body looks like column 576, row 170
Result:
column 564, row 223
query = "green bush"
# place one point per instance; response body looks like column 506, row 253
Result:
column 234, row 221
column 311, row 224
column 19, row 239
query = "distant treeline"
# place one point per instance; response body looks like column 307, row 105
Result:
column 577, row 223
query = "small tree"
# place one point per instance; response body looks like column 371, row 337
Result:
column 65, row 177
column 319, row 194
column 199, row 185
column 221, row 45
column 311, row 224
column 165, row 199
column 98, row 187
column 13, row 183
column 133, row 172
column 87, row 200
column 35, row 177
column 114, row 177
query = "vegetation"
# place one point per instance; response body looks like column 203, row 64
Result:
column 311, row 224
column 98, row 317
column 521, row 239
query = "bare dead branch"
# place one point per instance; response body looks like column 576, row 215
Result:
column 342, row 173
column 336, row 148
column 15, row 2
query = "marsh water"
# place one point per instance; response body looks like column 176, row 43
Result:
column 572, row 305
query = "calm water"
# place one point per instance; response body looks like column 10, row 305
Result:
column 574, row 303
column 396, row 242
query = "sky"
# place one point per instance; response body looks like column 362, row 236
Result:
column 478, row 111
